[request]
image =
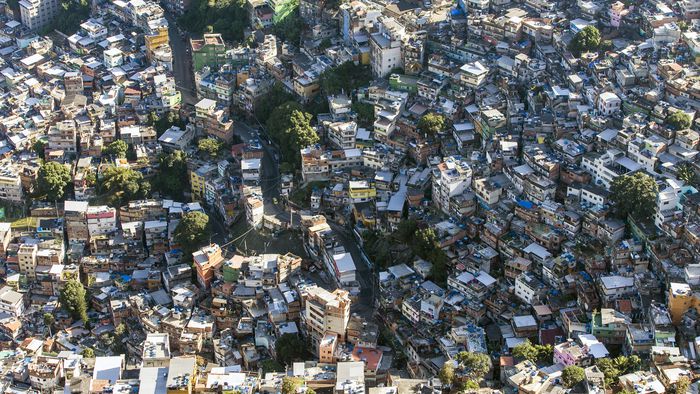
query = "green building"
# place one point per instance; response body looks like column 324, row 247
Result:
column 209, row 51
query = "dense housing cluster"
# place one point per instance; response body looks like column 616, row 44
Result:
column 412, row 196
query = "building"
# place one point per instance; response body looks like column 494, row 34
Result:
column 10, row 185
column 209, row 51
column 450, row 178
column 26, row 256
column 213, row 120
column 11, row 302
column 385, row 47
column 325, row 313
column 473, row 75
column 156, row 351
column 181, row 375
column 207, row 261
column 36, row 14
column 342, row 134
column 254, row 211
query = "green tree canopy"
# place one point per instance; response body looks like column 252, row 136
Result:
column 276, row 96
column 54, row 180
column 678, row 120
column 470, row 386
column 291, row 128
column 572, row 375
column 686, row 173
column 613, row 368
column 210, row 146
column 289, row 348
column 162, row 123
column 447, row 373
column 116, row 148
column 291, row 384
column 345, row 78
column 682, row 385
column 365, row 113
column 634, row 195
column 534, row 353
column 121, row 185
column 227, row 17
column 431, row 124
column 88, row 353
column 586, row 40
column 474, row 365
column 39, row 147
column 172, row 179
column 74, row 299
column 192, row 232
column 288, row 24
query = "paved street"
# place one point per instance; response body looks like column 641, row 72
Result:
column 182, row 63
column 251, row 241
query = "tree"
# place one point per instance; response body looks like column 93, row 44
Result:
column 291, row 128
column 121, row 184
column 470, row 385
column 53, row 180
column 474, row 365
column 74, row 300
column 682, row 385
column 227, row 17
column 613, row 368
column 634, row 195
column 586, row 40
column 163, row 123
column 288, row 25
column 117, row 149
column 276, row 96
column 210, row 146
column 289, row 348
column 365, row 113
column 172, row 179
column 678, row 120
column 48, row 321
column 572, row 375
column 544, row 352
column 431, row 124
column 686, row 173
column 192, row 232
column 39, row 147
column 290, row 384
column 447, row 373
column 526, row 351
column 344, row 78
column 88, row 353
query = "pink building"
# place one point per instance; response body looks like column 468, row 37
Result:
column 571, row 353
column 617, row 11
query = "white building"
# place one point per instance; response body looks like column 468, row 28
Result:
column 11, row 302
column 473, row 74
column 10, row 185
column 36, row 14
column 614, row 286
column 254, row 210
column 528, row 288
column 156, row 350
column 175, row 138
column 608, row 103
column 605, row 167
column 251, row 169
column 450, row 178
column 342, row 134
column 385, row 47
column 668, row 201
column 101, row 220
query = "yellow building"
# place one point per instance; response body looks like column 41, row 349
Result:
column 158, row 38
column 680, row 299
column 360, row 191
column 198, row 181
